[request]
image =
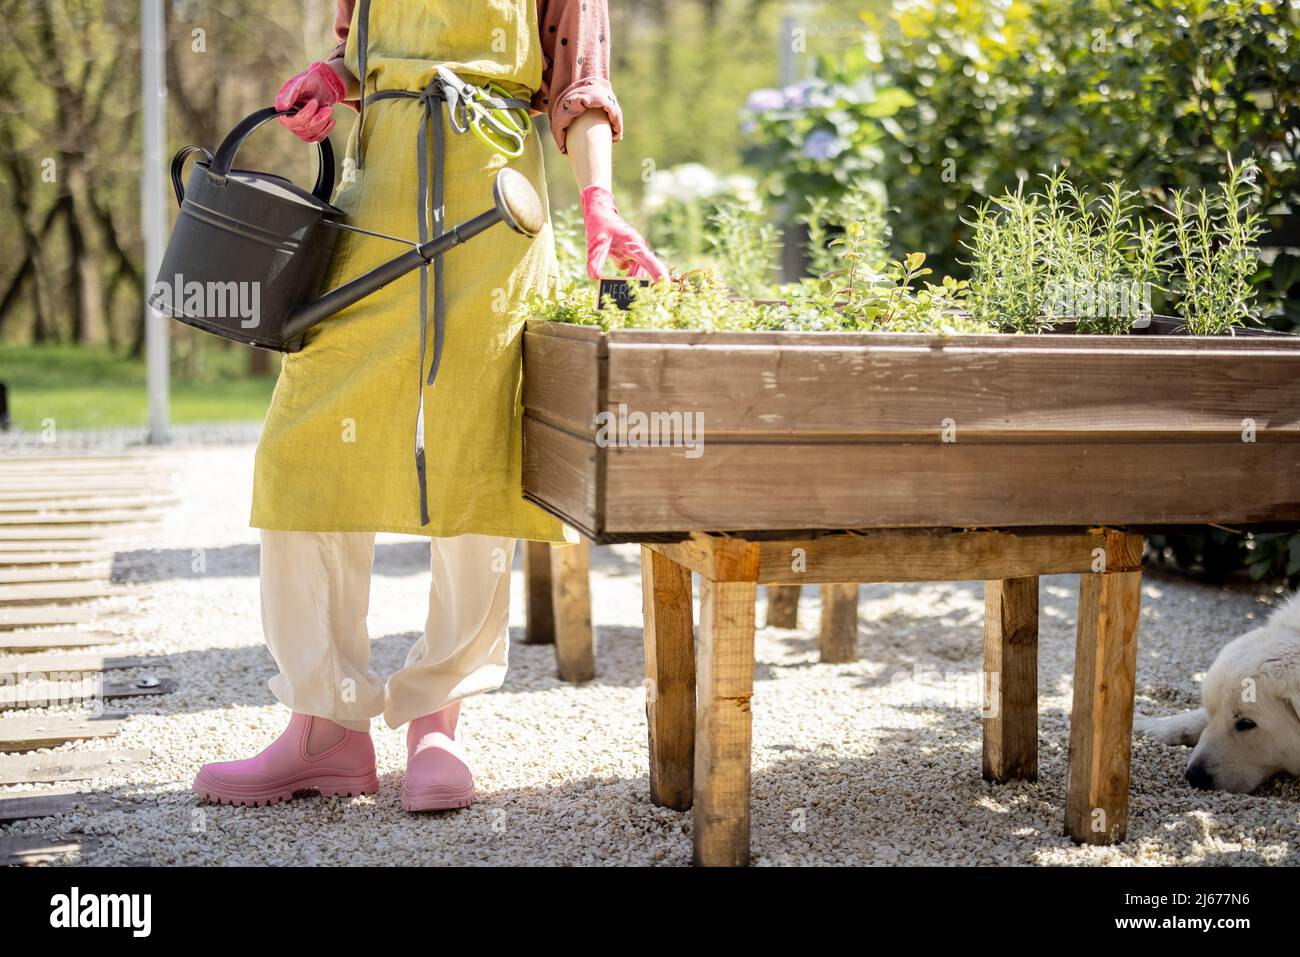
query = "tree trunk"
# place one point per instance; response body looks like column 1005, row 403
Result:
column 87, row 252
column 33, row 269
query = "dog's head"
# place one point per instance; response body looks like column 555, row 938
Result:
column 1252, row 697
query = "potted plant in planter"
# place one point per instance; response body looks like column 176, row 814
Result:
column 875, row 396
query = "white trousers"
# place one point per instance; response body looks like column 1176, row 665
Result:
column 315, row 596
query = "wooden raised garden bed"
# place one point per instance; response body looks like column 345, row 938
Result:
column 807, row 431
column 888, row 457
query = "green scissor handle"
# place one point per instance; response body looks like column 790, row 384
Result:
column 499, row 128
column 517, row 117
column 510, row 146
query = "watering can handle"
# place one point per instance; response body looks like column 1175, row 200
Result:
column 221, row 163
column 178, row 164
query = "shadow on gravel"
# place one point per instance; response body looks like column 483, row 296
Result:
column 242, row 561
column 918, row 640
column 239, row 675
column 807, row 808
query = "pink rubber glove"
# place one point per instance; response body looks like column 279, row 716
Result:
column 609, row 235
column 313, row 92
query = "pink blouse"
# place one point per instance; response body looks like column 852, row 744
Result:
column 575, row 61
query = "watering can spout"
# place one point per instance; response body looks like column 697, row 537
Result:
column 515, row 203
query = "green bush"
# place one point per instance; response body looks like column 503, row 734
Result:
column 964, row 99
column 1219, row 554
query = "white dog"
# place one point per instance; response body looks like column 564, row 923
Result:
column 1249, row 729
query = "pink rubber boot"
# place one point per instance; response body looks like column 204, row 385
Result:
column 437, row 771
column 313, row 754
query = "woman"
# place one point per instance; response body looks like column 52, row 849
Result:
column 337, row 461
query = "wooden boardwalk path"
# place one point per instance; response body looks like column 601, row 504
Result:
column 63, row 518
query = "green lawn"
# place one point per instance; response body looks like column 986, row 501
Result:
column 86, row 389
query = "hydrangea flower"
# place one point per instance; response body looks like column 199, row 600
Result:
column 764, row 101
column 798, row 94
column 821, row 145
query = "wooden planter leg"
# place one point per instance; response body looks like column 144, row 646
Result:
column 725, row 666
column 783, row 606
column 1011, row 679
column 1101, row 724
column 839, row 635
column 539, row 610
column 575, row 655
column 670, row 679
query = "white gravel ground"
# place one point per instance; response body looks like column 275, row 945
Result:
column 873, row 762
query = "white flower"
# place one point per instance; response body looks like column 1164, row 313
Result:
column 693, row 181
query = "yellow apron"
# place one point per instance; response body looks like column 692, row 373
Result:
column 337, row 448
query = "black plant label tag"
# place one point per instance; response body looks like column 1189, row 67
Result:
column 617, row 291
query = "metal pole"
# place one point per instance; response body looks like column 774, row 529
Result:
column 153, row 220
column 787, row 63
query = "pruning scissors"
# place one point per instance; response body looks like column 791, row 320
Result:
column 500, row 121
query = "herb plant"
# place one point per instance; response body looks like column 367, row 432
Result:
column 1037, row 260
column 1101, row 262
column 1215, row 236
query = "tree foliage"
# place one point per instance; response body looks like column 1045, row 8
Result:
column 1162, row 94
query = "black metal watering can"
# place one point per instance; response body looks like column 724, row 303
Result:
column 249, row 251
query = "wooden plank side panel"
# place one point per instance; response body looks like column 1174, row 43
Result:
column 560, row 472
column 922, row 554
column 848, row 430
column 562, row 384
column 1036, row 386
column 780, row 486
column 926, row 341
